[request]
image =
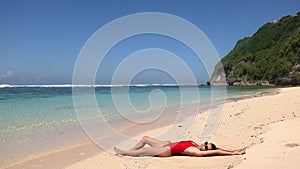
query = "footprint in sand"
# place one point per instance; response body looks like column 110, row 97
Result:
column 291, row 145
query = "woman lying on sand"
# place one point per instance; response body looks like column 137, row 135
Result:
column 167, row 149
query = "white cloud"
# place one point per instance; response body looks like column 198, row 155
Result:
column 6, row 75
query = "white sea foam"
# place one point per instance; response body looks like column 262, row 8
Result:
column 5, row 85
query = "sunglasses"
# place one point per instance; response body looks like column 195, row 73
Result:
column 206, row 145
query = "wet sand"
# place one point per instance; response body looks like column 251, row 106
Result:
column 266, row 124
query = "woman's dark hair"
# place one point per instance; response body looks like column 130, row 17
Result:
column 213, row 147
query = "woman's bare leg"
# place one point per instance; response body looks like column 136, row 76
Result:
column 150, row 141
column 152, row 151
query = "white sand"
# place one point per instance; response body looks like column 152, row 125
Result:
column 268, row 125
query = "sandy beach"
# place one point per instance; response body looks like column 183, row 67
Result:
column 266, row 124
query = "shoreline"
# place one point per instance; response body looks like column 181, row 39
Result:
column 84, row 150
column 83, row 154
column 243, row 124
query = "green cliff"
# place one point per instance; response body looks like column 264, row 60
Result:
column 270, row 56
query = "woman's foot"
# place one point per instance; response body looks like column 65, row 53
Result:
column 239, row 152
column 118, row 151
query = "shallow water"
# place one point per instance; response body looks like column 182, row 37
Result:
column 38, row 119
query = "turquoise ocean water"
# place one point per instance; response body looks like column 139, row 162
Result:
column 38, row 119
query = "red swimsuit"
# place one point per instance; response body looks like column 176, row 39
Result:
column 179, row 147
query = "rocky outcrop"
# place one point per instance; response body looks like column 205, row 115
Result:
column 292, row 78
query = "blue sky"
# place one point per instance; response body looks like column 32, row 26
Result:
column 41, row 40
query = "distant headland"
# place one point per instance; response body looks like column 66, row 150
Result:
column 270, row 57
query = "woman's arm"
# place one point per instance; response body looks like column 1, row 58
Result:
column 198, row 153
column 228, row 150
